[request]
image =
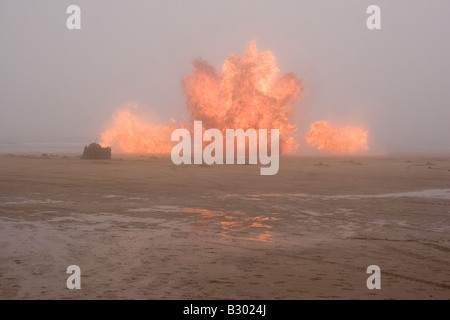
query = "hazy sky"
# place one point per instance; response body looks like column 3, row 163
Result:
column 58, row 85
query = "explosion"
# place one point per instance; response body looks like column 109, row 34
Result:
column 129, row 134
column 338, row 140
column 248, row 94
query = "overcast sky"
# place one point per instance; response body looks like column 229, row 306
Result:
column 58, row 85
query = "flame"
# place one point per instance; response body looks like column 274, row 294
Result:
column 247, row 94
column 338, row 140
column 129, row 134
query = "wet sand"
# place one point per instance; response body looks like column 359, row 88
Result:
column 141, row 227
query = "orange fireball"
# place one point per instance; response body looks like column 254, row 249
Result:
column 337, row 140
column 128, row 134
column 247, row 94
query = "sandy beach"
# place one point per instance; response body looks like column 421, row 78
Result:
column 141, row 227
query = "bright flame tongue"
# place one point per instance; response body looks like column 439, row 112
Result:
column 338, row 140
column 246, row 95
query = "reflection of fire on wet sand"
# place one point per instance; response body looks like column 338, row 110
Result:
column 233, row 224
column 141, row 227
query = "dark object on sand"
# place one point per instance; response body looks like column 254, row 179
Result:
column 95, row 151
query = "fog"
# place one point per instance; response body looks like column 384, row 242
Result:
column 60, row 85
